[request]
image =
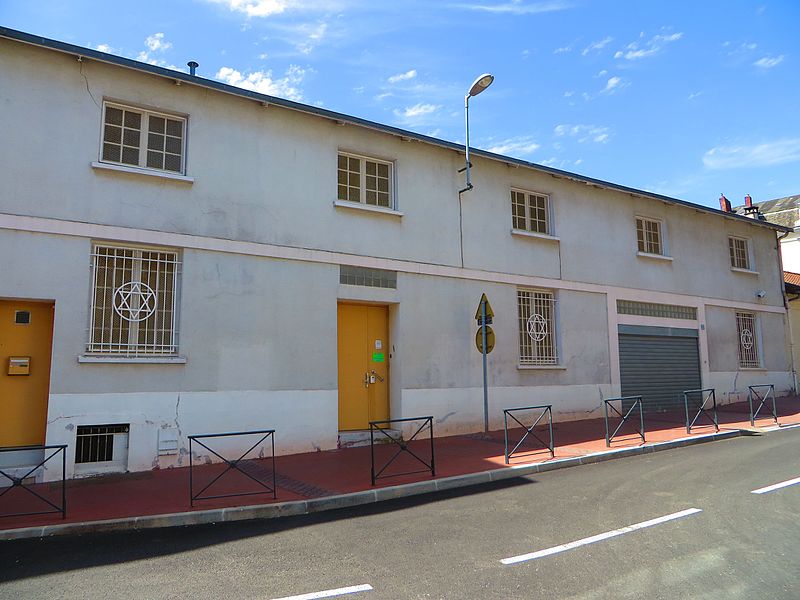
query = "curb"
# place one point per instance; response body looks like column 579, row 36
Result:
column 316, row 505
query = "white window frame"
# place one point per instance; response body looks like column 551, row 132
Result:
column 750, row 266
column 749, row 358
column 105, row 340
column 662, row 233
column 532, row 353
column 144, row 132
column 362, row 201
column 548, row 207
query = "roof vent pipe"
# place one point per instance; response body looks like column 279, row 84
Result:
column 192, row 66
column 724, row 203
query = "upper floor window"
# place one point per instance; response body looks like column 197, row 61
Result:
column 537, row 327
column 748, row 340
column 134, row 301
column 365, row 180
column 739, row 253
column 530, row 212
column 142, row 138
column 649, row 236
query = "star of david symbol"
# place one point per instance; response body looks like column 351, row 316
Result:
column 747, row 339
column 537, row 327
column 134, row 301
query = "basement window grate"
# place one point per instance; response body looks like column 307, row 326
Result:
column 95, row 443
column 652, row 309
column 367, row 277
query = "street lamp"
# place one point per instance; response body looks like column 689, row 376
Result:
column 480, row 84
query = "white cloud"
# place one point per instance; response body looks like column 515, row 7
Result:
column 578, row 162
column 694, row 95
column 584, row 133
column 264, row 83
column 104, row 48
column 562, row 50
column 639, row 49
column 517, row 7
column 597, row 45
column 263, row 56
column 314, row 34
column 383, row 96
column 416, row 111
column 256, row 8
column 403, row 76
column 156, row 43
column 569, row 94
column 516, row 146
column 614, row 84
column 769, row 61
column 760, row 155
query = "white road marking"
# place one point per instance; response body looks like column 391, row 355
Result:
column 776, row 486
column 330, row 593
column 599, row 537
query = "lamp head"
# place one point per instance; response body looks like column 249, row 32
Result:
column 480, row 84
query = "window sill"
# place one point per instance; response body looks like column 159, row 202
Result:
column 541, row 368
column 745, row 271
column 367, row 208
column 149, row 360
column 762, row 369
column 655, row 256
column 146, row 172
column 533, row 234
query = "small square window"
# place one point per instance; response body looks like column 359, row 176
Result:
column 366, row 180
column 649, row 236
column 530, row 212
column 144, row 139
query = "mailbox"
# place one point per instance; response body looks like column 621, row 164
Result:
column 19, row 365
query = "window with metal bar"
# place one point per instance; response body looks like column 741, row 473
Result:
column 649, row 236
column 95, row 443
column 365, row 180
column 142, row 138
column 748, row 340
column 367, row 277
column 537, row 327
column 134, row 301
column 530, row 212
column 739, row 253
column 653, row 309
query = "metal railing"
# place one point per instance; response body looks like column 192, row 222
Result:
column 762, row 394
column 233, row 465
column 402, row 447
column 706, row 395
column 547, row 409
column 636, row 401
column 20, row 483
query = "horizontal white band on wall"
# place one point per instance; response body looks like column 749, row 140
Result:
column 212, row 244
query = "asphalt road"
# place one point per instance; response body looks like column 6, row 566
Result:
column 450, row 545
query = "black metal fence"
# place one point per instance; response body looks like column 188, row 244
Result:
column 546, row 409
column 256, row 473
column 402, row 447
column 762, row 395
column 703, row 402
column 634, row 403
column 21, row 482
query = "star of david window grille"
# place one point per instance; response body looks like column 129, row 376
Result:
column 134, row 301
column 748, row 341
column 537, row 327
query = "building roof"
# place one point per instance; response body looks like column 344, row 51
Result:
column 793, row 278
column 781, row 211
column 128, row 63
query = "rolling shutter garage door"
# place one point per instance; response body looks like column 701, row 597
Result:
column 658, row 363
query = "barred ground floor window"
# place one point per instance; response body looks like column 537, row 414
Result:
column 537, row 327
column 134, row 301
column 748, row 340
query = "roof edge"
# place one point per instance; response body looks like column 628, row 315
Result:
column 67, row 48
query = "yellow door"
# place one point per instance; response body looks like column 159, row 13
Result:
column 363, row 365
column 26, row 336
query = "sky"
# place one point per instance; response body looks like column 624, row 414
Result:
column 688, row 99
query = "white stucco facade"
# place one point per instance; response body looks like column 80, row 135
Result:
column 261, row 239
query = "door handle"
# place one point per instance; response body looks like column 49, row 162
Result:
column 373, row 376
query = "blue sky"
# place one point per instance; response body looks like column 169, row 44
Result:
column 687, row 99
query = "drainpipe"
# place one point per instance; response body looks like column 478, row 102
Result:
column 786, row 306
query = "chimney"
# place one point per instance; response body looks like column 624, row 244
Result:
column 724, row 203
column 750, row 210
column 192, row 66
column 748, row 201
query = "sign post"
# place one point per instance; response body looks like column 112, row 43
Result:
column 484, row 340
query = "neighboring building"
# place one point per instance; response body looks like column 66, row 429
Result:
column 184, row 257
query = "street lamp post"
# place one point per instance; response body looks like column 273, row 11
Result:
column 480, row 84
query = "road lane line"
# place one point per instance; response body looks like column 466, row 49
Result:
column 776, row 486
column 599, row 537
column 330, row 593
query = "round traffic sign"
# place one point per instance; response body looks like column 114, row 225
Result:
column 489, row 339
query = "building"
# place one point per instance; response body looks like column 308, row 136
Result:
column 185, row 257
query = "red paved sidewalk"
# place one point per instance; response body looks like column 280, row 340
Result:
column 321, row 474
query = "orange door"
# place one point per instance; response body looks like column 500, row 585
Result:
column 363, row 365
column 26, row 340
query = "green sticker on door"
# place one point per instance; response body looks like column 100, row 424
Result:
column 377, row 357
